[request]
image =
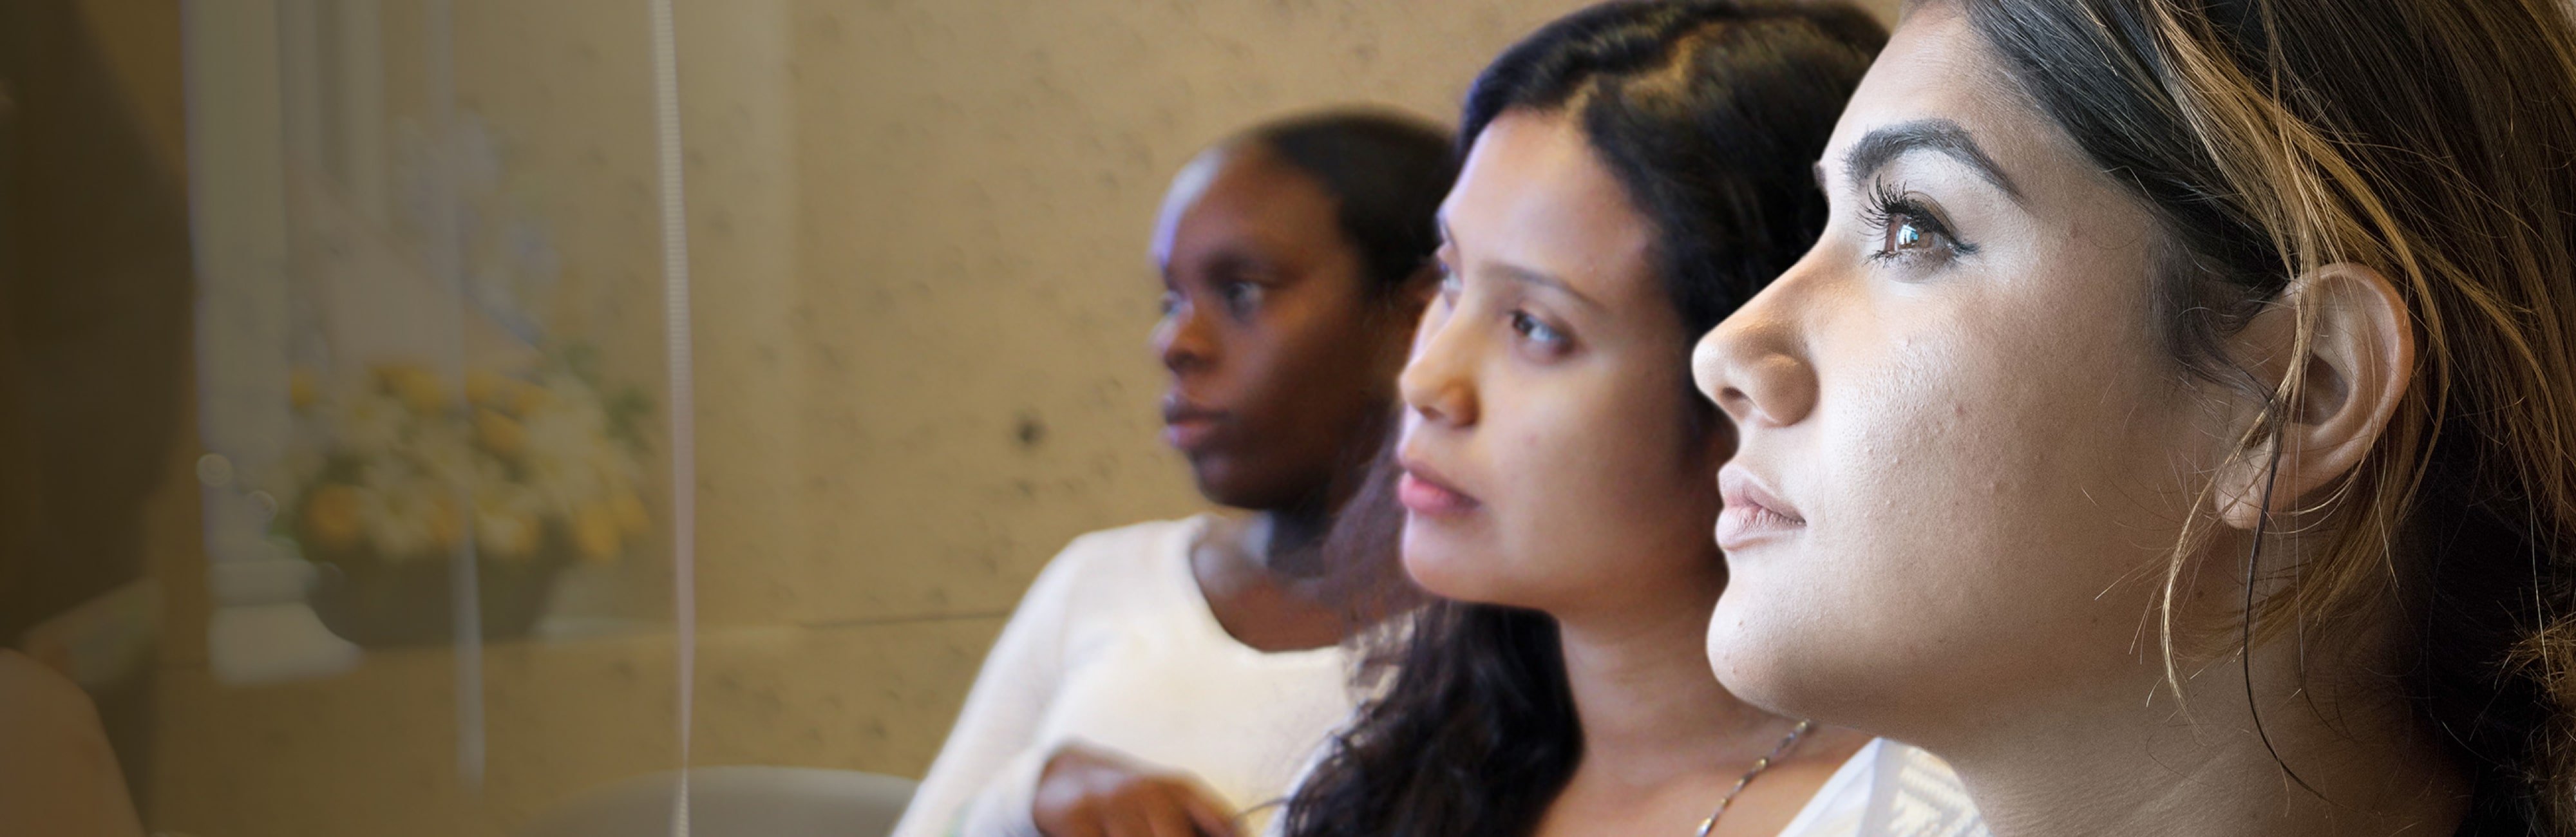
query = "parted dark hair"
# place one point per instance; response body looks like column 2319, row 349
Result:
column 2433, row 141
column 1709, row 114
column 1387, row 173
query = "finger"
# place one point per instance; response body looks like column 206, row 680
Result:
column 1082, row 825
column 1168, row 815
column 1210, row 818
column 1128, row 818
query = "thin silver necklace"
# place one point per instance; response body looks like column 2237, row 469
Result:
column 1759, row 765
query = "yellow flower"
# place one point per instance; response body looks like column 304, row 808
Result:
column 332, row 517
column 529, row 397
column 303, row 388
column 505, row 535
column 446, row 525
column 417, row 386
column 509, row 518
column 594, row 532
column 504, row 436
column 486, row 388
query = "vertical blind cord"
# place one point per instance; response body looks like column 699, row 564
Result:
column 446, row 266
column 675, row 300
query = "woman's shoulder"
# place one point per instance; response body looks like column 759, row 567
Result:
column 1127, row 561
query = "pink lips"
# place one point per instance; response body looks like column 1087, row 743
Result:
column 1753, row 514
column 1423, row 493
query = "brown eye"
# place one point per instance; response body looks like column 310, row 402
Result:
column 1908, row 229
column 1903, row 235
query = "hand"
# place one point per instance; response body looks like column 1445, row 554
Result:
column 1091, row 792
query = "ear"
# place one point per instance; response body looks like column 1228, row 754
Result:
column 2354, row 371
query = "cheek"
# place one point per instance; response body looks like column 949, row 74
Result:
column 1987, row 508
column 1304, row 390
column 1601, row 494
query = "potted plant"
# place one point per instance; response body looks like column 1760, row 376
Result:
column 401, row 474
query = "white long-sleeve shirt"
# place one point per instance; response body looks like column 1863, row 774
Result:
column 1115, row 646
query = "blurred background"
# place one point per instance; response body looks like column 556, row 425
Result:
column 337, row 411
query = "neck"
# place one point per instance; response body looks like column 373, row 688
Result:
column 1650, row 711
column 2367, row 765
column 1290, row 542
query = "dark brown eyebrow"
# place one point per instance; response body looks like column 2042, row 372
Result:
column 1542, row 279
column 1882, row 146
column 1518, row 273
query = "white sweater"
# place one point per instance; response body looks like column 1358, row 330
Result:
column 1115, row 646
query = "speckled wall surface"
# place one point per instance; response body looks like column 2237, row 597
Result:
column 921, row 304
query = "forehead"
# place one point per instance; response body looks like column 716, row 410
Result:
column 1243, row 195
column 1935, row 67
column 1534, row 194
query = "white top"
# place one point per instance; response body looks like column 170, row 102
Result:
column 1886, row 789
column 1889, row 790
column 1115, row 646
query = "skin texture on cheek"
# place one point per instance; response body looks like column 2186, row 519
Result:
column 1975, row 510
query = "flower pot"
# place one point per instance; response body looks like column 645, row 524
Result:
column 383, row 604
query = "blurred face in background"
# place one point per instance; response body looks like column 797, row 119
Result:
column 1282, row 355
column 1548, row 460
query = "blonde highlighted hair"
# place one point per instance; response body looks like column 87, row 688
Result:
column 2435, row 142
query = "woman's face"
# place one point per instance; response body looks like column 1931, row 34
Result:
column 1964, row 451
column 1547, row 461
column 1281, row 356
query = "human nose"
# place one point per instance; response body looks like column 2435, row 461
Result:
column 1755, row 363
column 1182, row 340
column 1437, row 383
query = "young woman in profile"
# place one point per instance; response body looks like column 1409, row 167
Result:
column 2175, row 427
column 1635, row 171
column 1159, row 678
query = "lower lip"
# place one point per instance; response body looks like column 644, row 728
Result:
column 1428, row 500
column 1741, row 526
column 1189, row 434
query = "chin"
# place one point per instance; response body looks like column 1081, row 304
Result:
column 1225, row 481
column 1443, row 567
column 1776, row 663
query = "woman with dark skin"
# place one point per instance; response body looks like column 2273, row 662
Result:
column 1160, row 679
column 2173, row 428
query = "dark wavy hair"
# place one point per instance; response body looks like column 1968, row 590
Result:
column 1709, row 114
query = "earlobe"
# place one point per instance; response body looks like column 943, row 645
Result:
column 2344, row 333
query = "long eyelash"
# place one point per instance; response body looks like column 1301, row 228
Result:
column 1890, row 202
column 1887, row 202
